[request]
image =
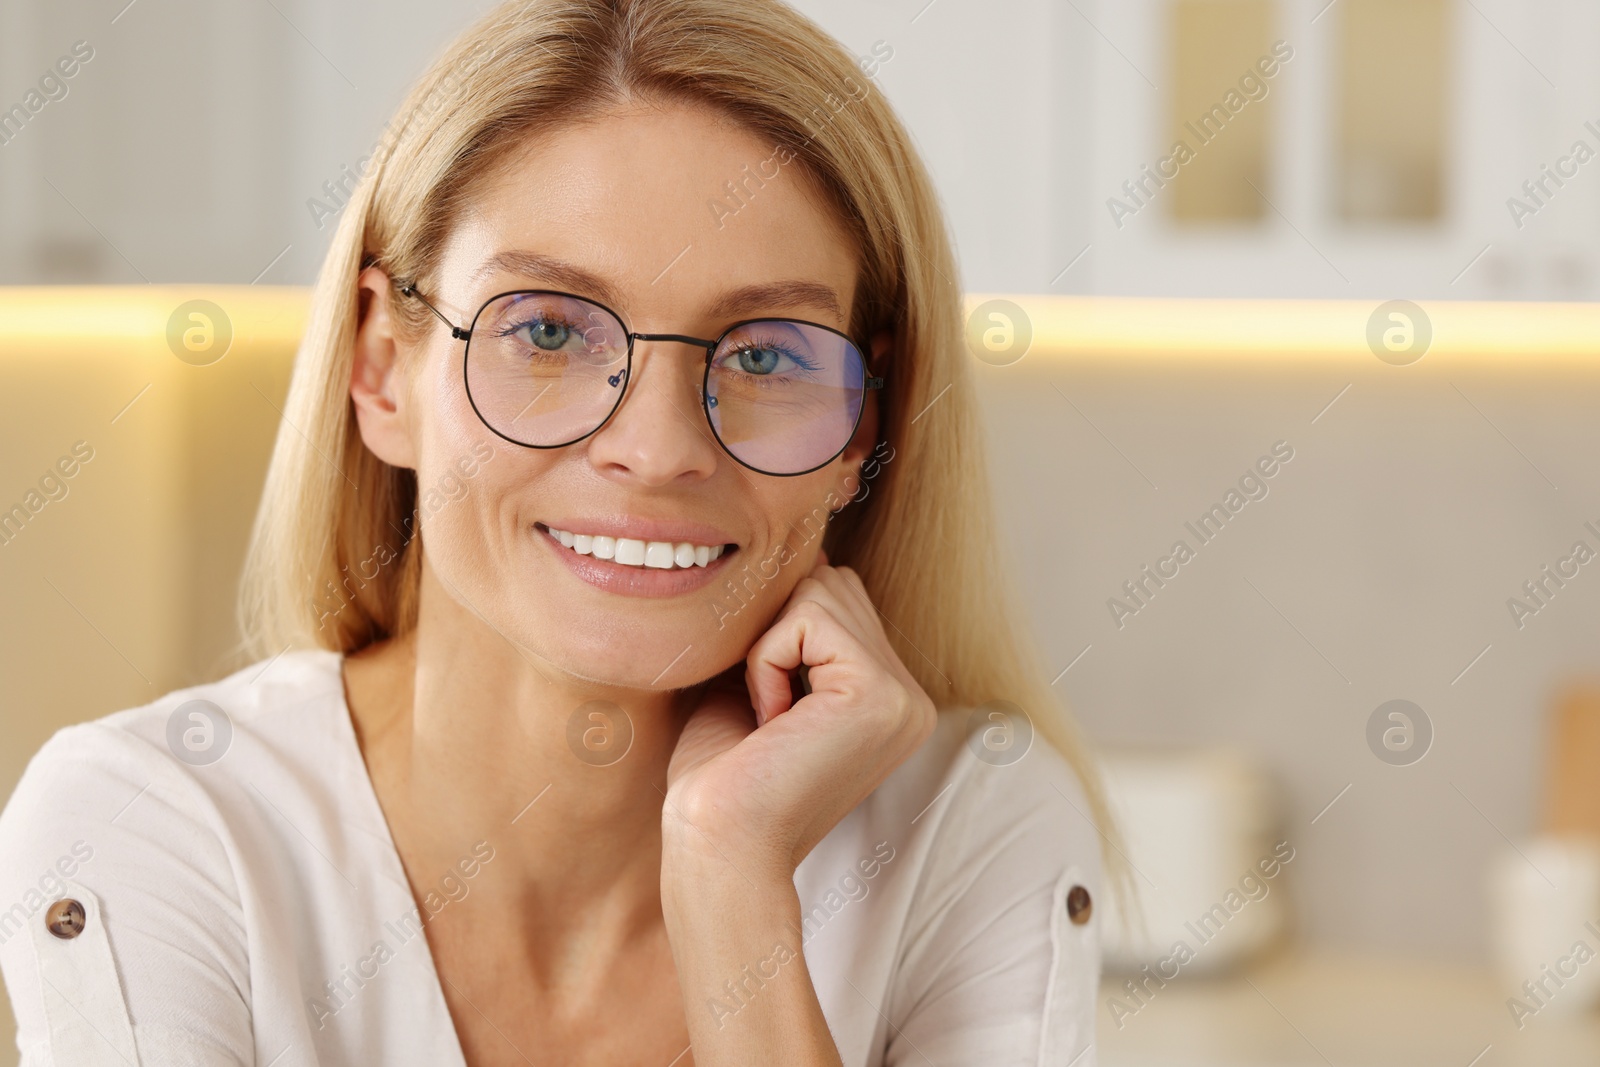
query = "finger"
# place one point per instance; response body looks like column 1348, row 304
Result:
column 808, row 634
column 820, row 588
column 852, row 591
column 848, row 601
column 846, row 596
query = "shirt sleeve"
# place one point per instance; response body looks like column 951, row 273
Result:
column 1002, row 958
column 122, row 941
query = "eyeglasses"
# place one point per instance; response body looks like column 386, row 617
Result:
column 546, row 369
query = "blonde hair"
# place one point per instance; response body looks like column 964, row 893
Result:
column 330, row 506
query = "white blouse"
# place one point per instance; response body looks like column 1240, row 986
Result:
column 253, row 909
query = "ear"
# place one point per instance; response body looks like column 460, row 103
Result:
column 866, row 435
column 378, row 386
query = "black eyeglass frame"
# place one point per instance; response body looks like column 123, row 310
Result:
column 711, row 346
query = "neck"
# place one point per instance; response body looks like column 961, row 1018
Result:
column 470, row 738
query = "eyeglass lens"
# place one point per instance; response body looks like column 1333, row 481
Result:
column 546, row 369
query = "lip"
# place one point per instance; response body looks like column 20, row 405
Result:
column 620, row 578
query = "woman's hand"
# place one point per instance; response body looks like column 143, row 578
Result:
column 756, row 780
column 760, row 778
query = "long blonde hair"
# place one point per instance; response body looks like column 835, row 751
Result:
column 330, row 506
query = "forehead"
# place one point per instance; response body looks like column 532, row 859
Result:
column 671, row 205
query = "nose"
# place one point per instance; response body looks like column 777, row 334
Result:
column 659, row 434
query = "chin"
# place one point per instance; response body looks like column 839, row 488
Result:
column 629, row 648
column 634, row 626
column 656, row 670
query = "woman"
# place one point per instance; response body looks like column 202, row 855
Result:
column 626, row 526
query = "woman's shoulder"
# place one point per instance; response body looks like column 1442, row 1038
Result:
column 985, row 805
column 195, row 726
column 138, row 848
column 958, row 897
column 987, row 773
column 177, row 753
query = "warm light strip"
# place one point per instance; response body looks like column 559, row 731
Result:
column 34, row 318
column 1064, row 327
column 1075, row 327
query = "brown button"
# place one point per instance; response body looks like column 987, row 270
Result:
column 64, row 919
column 1079, row 906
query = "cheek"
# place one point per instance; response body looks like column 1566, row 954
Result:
column 470, row 520
column 490, row 512
column 452, row 439
column 809, row 509
column 441, row 397
column 797, row 519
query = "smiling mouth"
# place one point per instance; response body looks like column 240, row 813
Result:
column 631, row 552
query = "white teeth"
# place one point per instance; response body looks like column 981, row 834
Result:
column 632, row 552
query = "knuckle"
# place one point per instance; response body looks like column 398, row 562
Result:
column 812, row 609
column 906, row 710
column 690, row 809
column 808, row 588
column 921, row 715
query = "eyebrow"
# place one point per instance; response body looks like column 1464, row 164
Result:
column 787, row 294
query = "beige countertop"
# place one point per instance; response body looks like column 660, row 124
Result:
column 1316, row 1009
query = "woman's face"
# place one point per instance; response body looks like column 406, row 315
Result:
column 633, row 210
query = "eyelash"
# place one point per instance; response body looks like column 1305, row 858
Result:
column 803, row 362
column 769, row 380
column 542, row 319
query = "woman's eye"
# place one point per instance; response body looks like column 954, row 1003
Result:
column 549, row 336
column 759, row 359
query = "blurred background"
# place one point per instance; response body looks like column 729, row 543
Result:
column 1352, row 241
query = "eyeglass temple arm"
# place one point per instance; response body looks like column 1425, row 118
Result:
column 455, row 331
